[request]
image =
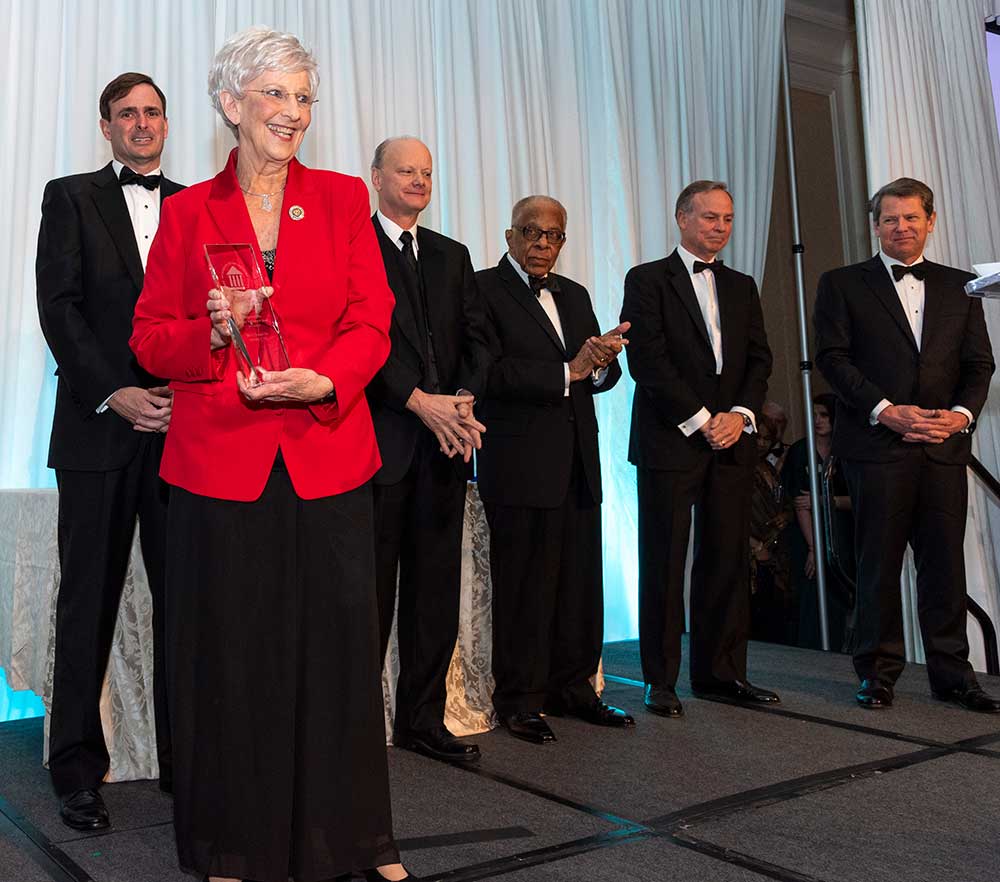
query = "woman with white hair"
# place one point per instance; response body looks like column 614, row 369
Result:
column 273, row 675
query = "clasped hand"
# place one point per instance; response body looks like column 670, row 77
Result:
column 723, row 430
column 220, row 310
column 918, row 425
column 451, row 419
column 148, row 410
column 598, row 352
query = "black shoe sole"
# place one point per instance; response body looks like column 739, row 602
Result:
column 669, row 713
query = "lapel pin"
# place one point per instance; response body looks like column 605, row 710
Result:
column 296, row 212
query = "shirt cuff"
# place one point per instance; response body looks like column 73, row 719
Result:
column 877, row 409
column 966, row 413
column 104, row 404
column 566, row 380
column 747, row 413
column 693, row 423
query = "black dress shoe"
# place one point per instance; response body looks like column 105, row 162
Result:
column 84, row 810
column 974, row 699
column 438, row 743
column 736, row 690
column 529, row 727
column 663, row 700
column 601, row 714
column 873, row 695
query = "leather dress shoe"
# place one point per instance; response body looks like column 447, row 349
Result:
column 662, row 700
column 601, row 714
column 437, row 743
column 529, row 727
column 873, row 695
column 84, row 810
column 974, row 698
column 736, row 690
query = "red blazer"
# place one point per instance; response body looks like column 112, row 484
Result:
column 335, row 305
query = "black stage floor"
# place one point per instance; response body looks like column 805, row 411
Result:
column 815, row 789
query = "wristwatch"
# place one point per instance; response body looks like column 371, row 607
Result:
column 747, row 422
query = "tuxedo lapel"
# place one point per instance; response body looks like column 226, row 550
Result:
column 728, row 314
column 110, row 204
column 880, row 282
column 680, row 281
column 526, row 298
column 934, row 299
column 168, row 188
column 434, row 272
column 402, row 314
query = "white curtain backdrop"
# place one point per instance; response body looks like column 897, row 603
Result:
column 609, row 105
column 928, row 113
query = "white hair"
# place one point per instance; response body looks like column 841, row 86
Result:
column 250, row 53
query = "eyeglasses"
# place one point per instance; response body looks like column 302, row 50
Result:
column 533, row 234
column 280, row 96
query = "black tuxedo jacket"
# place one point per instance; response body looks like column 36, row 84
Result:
column 457, row 319
column 88, row 277
column 527, row 453
column 671, row 360
column 866, row 351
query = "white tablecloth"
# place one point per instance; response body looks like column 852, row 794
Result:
column 29, row 577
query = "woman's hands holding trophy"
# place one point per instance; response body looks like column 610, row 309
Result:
column 233, row 304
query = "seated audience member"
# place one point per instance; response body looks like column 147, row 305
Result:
column 779, row 419
column 840, row 565
column 771, row 600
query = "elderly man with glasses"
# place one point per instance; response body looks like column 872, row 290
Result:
column 540, row 479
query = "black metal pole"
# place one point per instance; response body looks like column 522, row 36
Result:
column 805, row 365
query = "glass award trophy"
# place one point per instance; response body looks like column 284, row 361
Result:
column 253, row 324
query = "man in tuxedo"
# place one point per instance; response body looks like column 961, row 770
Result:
column 540, row 479
column 422, row 407
column 107, row 432
column 700, row 360
column 908, row 354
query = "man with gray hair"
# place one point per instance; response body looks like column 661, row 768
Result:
column 540, row 479
column 422, row 407
column 700, row 360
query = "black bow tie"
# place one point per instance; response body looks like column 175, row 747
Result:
column 701, row 266
column 127, row 176
column 539, row 282
column 917, row 270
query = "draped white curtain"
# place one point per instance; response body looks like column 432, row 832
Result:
column 609, row 105
column 928, row 113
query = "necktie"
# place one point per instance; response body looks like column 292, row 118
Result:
column 700, row 266
column 406, row 237
column 127, row 176
column 537, row 283
column 917, row 270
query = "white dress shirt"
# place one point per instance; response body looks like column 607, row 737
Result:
column 548, row 304
column 708, row 302
column 144, row 211
column 911, row 293
column 394, row 231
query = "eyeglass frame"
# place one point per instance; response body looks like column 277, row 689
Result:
column 560, row 234
column 267, row 93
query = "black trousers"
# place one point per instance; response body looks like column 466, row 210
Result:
column 922, row 503
column 720, row 491
column 418, row 537
column 548, row 601
column 97, row 517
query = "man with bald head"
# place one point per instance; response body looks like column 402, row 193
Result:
column 422, row 407
column 540, row 479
